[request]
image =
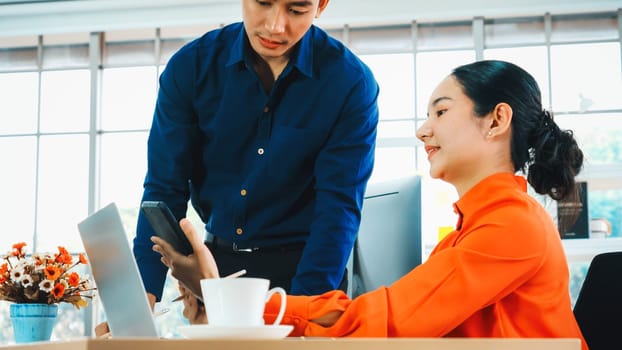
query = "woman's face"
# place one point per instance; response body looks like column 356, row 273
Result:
column 454, row 137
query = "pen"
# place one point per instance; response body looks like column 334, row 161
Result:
column 233, row 275
column 161, row 312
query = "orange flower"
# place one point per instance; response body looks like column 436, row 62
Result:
column 73, row 279
column 52, row 272
column 18, row 249
column 19, row 246
column 67, row 259
column 43, row 278
column 58, row 291
column 63, row 256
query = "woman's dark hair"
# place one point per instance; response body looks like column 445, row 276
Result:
column 548, row 155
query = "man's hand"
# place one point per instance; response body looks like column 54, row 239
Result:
column 190, row 269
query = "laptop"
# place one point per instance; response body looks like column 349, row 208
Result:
column 116, row 275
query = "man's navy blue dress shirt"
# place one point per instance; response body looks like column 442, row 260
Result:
column 264, row 168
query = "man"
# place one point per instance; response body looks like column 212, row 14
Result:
column 269, row 127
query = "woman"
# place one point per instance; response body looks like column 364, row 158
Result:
column 502, row 272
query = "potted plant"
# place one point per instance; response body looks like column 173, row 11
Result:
column 36, row 284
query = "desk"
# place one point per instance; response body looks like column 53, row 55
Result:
column 309, row 344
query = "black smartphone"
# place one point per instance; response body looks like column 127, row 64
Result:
column 166, row 226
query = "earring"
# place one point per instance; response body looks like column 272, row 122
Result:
column 490, row 133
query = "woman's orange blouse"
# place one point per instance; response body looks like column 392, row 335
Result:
column 501, row 273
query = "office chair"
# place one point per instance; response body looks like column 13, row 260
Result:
column 598, row 308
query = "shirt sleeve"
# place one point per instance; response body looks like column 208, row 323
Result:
column 430, row 301
column 341, row 171
column 169, row 168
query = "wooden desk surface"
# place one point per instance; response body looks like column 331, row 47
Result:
column 308, row 344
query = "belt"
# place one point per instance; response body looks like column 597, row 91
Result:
column 225, row 244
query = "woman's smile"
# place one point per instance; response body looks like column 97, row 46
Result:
column 431, row 151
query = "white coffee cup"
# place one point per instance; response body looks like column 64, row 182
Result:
column 239, row 302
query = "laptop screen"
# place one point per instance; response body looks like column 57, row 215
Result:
column 116, row 275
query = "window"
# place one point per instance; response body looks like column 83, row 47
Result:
column 18, row 189
column 596, row 82
column 65, row 101
column 66, row 51
column 62, row 191
column 75, row 127
column 123, row 167
column 396, row 129
column 578, row 27
column 129, row 47
column 602, row 146
column 128, row 97
column 18, row 53
column 381, row 39
column 531, row 58
column 18, row 114
column 444, row 36
column 507, row 32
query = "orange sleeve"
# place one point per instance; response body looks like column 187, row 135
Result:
column 300, row 309
column 503, row 273
column 363, row 317
column 429, row 301
column 440, row 295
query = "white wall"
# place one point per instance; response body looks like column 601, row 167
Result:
column 101, row 15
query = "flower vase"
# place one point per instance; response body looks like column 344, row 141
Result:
column 33, row 322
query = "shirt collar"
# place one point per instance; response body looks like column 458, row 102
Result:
column 479, row 195
column 237, row 52
column 302, row 55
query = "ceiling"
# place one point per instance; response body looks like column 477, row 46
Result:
column 36, row 17
column 14, row 2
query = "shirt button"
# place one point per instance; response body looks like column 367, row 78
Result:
column 266, row 109
column 239, row 231
column 243, row 192
column 260, row 151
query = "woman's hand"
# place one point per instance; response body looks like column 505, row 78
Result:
column 190, row 269
column 194, row 310
column 328, row 319
column 102, row 331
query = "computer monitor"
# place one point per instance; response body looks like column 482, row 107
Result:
column 389, row 240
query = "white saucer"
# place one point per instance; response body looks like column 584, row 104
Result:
column 204, row 331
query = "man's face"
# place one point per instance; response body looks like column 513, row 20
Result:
column 275, row 26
